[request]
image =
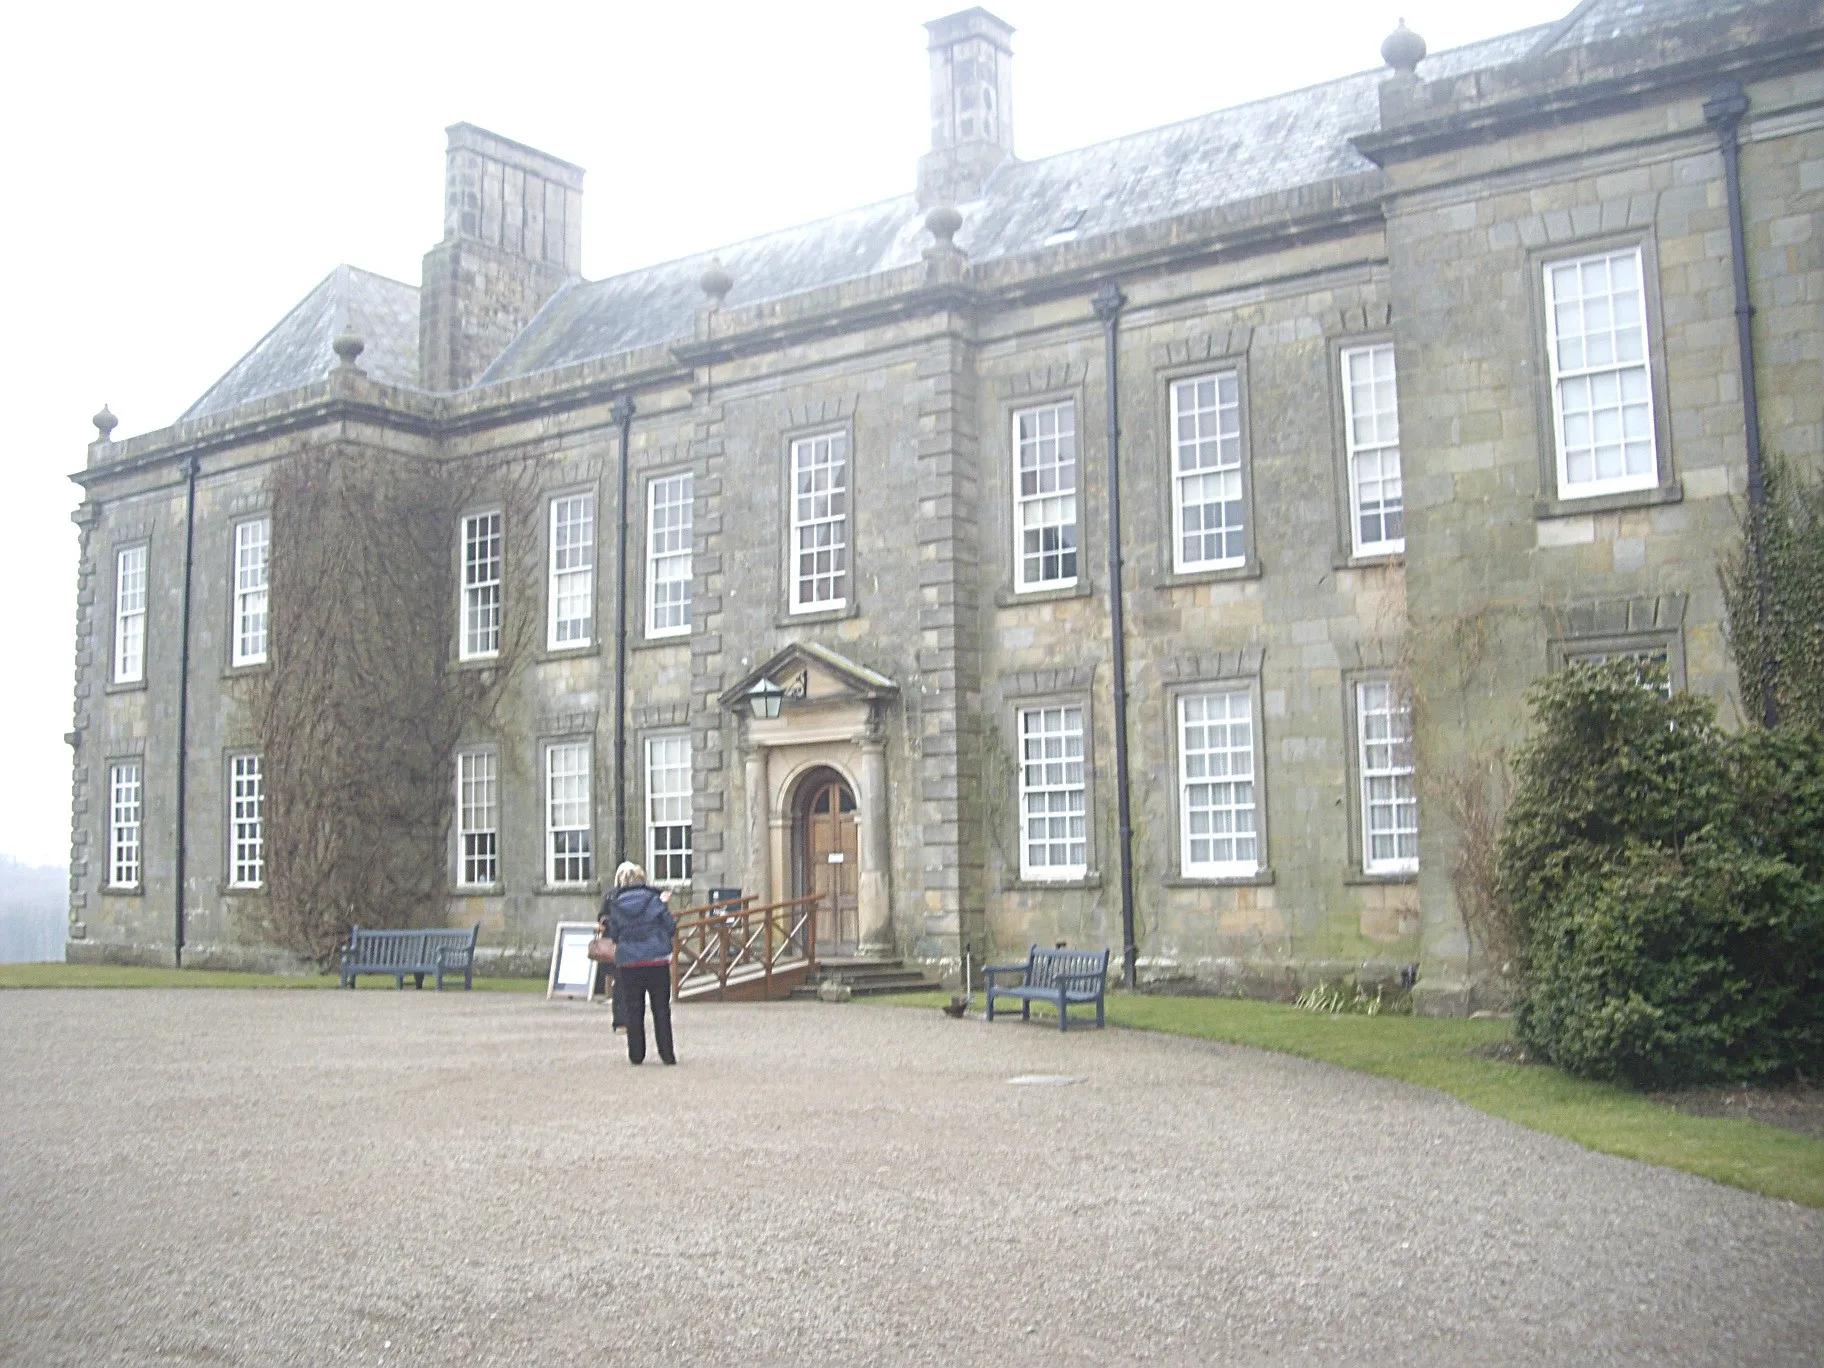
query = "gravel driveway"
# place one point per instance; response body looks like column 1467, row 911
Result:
column 216, row 1177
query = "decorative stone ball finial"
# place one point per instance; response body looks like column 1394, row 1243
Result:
column 1403, row 50
column 105, row 423
column 943, row 223
column 716, row 282
column 348, row 345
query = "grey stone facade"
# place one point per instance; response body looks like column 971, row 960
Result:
column 1414, row 209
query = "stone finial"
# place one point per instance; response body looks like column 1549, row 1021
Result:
column 105, row 423
column 716, row 282
column 942, row 223
column 348, row 345
column 1403, row 50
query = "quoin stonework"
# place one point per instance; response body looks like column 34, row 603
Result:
column 1418, row 383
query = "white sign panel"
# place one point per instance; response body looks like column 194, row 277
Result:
column 572, row 971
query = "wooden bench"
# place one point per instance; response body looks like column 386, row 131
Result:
column 417, row 953
column 1060, row 977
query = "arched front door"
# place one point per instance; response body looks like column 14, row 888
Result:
column 825, row 859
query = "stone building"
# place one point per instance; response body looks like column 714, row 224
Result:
column 1418, row 383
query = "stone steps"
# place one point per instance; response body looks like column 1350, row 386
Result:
column 866, row 978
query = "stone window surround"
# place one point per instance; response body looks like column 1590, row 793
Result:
column 1667, row 489
column 1355, row 872
column 1620, row 627
column 229, row 888
column 459, row 889
column 787, row 617
column 1344, row 557
column 639, row 578
column 1004, row 455
column 1013, row 877
column 1164, row 377
column 480, row 509
column 108, row 887
column 643, row 738
column 1245, row 676
column 127, row 543
column 548, row 498
column 240, row 518
column 544, row 741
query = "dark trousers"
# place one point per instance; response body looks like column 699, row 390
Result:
column 637, row 983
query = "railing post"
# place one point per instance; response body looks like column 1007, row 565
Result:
column 768, row 943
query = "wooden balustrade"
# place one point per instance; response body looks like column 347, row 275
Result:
column 742, row 951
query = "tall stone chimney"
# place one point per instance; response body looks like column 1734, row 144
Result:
column 971, row 106
column 512, row 233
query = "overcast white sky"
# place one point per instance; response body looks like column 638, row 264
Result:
column 182, row 174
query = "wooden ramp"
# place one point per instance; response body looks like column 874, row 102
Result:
column 734, row 952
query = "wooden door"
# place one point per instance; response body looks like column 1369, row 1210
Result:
column 827, row 858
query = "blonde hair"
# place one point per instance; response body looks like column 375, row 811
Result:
column 629, row 874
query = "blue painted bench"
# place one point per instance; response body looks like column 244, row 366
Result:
column 417, row 953
column 1064, row 978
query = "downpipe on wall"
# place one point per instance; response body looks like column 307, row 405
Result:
column 1108, row 302
column 622, row 413
column 189, row 469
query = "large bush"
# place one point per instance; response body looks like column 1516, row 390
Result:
column 1776, row 621
column 1671, row 883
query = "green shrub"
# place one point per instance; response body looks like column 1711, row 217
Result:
column 1778, row 645
column 1671, row 883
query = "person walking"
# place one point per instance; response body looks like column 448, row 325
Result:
column 641, row 926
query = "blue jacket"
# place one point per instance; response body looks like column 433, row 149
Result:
column 639, row 924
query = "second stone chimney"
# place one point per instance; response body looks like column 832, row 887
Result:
column 971, row 106
column 512, row 234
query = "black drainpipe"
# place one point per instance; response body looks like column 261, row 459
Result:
column 183, row 698
column 1107, row 303
column 622, row 413
column 1723, row 111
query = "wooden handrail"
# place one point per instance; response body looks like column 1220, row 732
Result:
column 733, row 920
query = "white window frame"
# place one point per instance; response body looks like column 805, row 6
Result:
column 1566, row 377
column 126, row 817
column 570, row 579
column 131, row 584
column 670, row 842
column 569, row 818
column 1379, row 760
column 1375, row 435
column 478, row 818
column 1214, row 768
column 1224, row 417
column 821, row 495
column 247, row 820
column 1043, row 509
column 1045, row 778
column 669, row 521
column 252, row 634
column 481, row 551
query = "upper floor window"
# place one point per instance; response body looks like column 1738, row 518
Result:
column 124, row 810
column 1054, row 836
column 130, row 615
column 1602, row 392
column 246, row 822
column 567, row 822
column 481, row 562
column 820, row 522
column 1390, row 801
column 478, row 817
column 668, row 821
column 1371, row 423
column 1045, row 497
column 572, row 588
column 668, row 569
column 1216, row 784
column 1208, row 508
column 252, row 560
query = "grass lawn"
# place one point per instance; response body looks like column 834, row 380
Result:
column 1436, row 1052
column 117, row 976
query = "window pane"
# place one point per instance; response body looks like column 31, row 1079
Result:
column 1045, row 517
column 572, row 586
column 130, row 615
column 247, row 801
column 668, row 809
column 124, row 817
column 1372, row 427
column 567, row 822
column 1601, row 386
column 252, row 546
column 1390, row 804
column 820, row 522
column 1216, row 783
column 1206, row 481
column 478, row 823
column 481, row 573
column 668, row 555
column 1054, row 827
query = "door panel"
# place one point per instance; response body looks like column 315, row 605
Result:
column 829, row 847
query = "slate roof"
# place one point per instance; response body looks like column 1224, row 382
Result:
column 1234, row 154
column 1252, row 149
column 383, row 312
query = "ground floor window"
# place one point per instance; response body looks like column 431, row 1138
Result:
column 668, row 847
column 567, row 823
column 247, row 797
column 478, row 816
column 1054, row 838
column 1216, row 784
column 1390, row 802
column 125, row 797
